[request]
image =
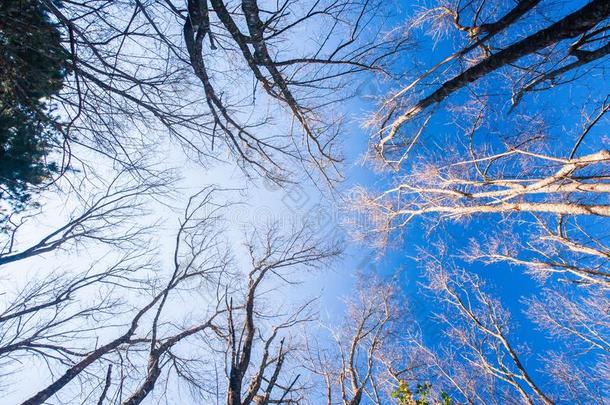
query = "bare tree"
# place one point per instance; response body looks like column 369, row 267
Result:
column 493, row 162
column 532, row 60
column 105, row 217
column 482, row 356
column 480, row 143
column 480, row 326
column 511, row 175
column 52, row 321
column 373, row 351
column 259, row 341
column 217, row 76
column 559, row 201
column 134, row 335
column 378, row 356
column 255, row 343
column 582, row 322
column 555, row 197
column 197, row 259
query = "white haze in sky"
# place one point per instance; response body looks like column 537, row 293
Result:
column 257, row 203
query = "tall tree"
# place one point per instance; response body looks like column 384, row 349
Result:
column 547, row 168
column 34, row 65
column 504, row 141
column 219, row 76
column 135, row 334
column 492, row 46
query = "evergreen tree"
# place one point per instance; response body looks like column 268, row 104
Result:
column 33, row 66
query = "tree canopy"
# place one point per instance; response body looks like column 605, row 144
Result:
column 475, row 231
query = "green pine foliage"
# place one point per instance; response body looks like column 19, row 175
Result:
column 33, row 66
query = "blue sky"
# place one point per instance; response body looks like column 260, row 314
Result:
column 508, row 283
column 264, row 202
